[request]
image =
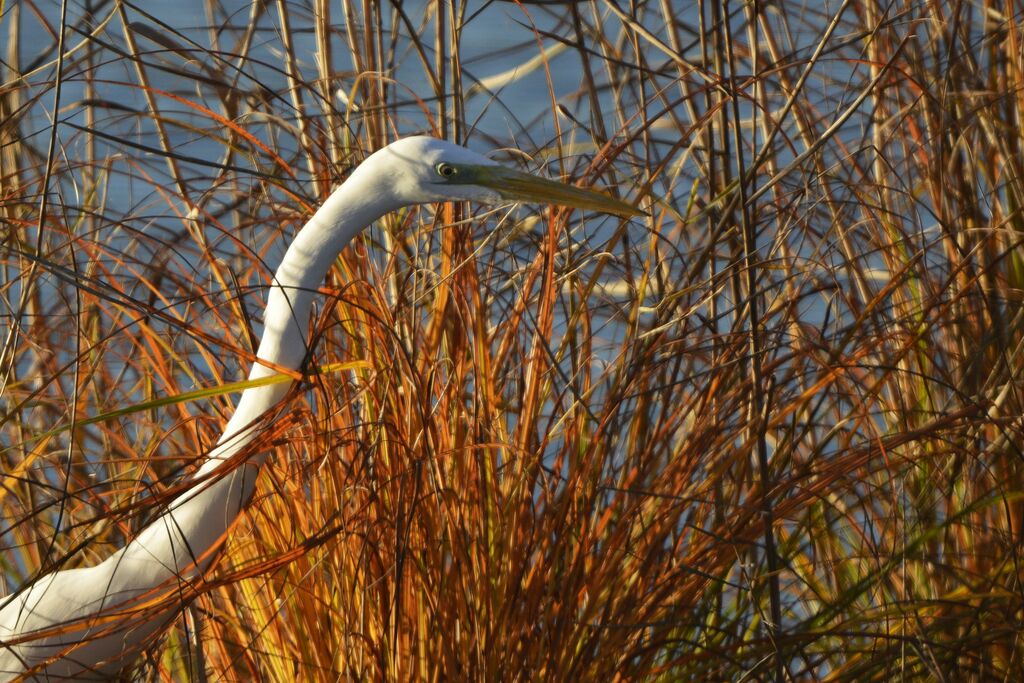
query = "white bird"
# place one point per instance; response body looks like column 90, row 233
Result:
column 88, row 623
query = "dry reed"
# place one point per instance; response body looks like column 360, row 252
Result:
column 771, row 432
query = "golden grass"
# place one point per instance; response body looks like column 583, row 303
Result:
column 773, row 431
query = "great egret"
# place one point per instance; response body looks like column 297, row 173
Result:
column 88, row 622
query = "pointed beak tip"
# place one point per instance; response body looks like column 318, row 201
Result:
column 635, row 212
column 617, row 206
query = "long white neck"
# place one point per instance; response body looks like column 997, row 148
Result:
column 357, row 203
column 203, row 516
column 176, row 546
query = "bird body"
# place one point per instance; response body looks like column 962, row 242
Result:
column 88, row 622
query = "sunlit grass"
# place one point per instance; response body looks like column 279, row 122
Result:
column 770, row 431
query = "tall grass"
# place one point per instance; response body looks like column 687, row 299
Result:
column 771, row 431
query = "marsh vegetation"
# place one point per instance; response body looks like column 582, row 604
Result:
column 771, row 431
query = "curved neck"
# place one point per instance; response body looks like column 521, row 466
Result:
column 196, row 521
column 359, row 201
column 181, row 541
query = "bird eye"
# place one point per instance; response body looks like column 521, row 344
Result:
column 446, row 171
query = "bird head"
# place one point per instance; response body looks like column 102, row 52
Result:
column 426, row 169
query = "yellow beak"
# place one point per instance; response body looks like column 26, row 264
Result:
column 523, row 187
